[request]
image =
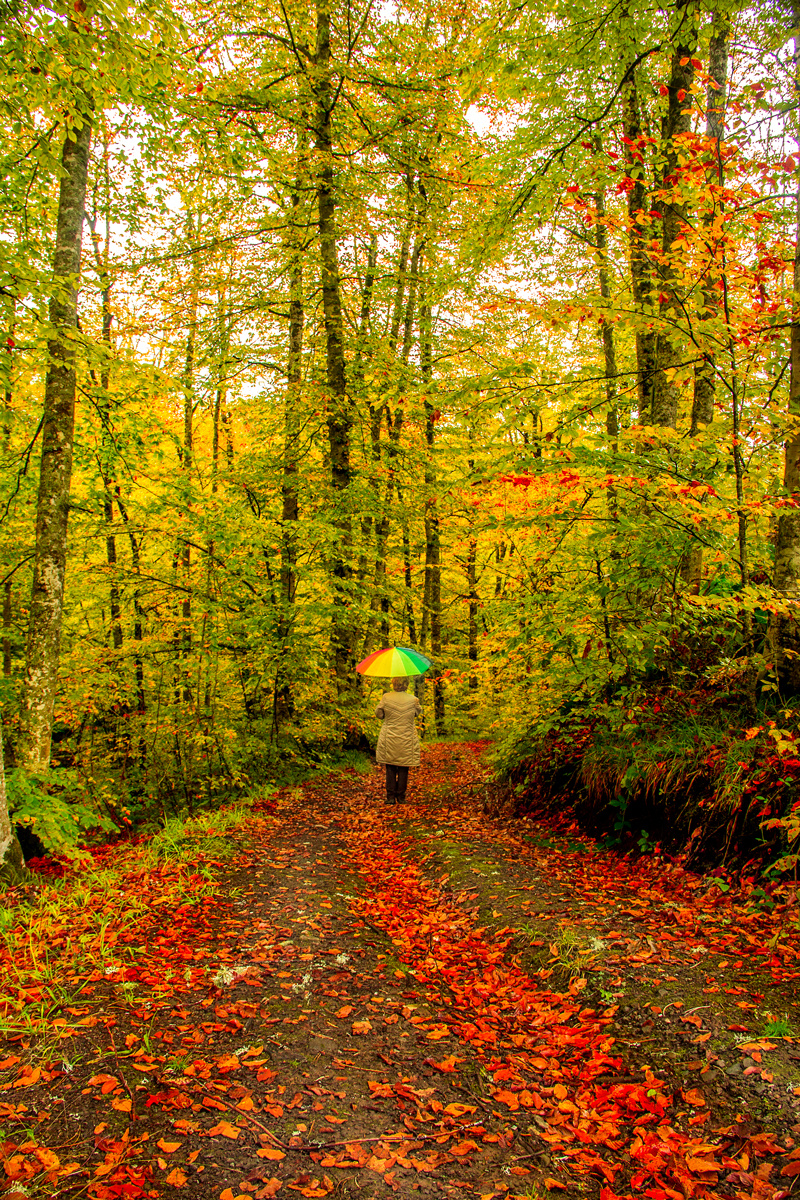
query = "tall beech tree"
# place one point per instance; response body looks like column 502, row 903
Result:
column 58, row 430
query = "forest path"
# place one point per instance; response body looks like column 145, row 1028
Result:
column 425, row 1001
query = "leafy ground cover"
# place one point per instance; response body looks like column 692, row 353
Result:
column 696, row 772
column 328, row 997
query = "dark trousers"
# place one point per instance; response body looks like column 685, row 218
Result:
column 396, row 782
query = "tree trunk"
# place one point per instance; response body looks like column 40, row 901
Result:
column 375, row 410
column 290, row 480
column 138, row 622
column 184, row 638
column 786, row 634
column 6, row 446
column 406, row 276
column 472, row 600
column 669, row 345
column 609, row 348
column 340, row 414
column 104, row 404
column 412, row 624
column 290, row 510
column 432, row 589
column 705, row 377
column 638, row 227
column 12, row 862
column 55, row 475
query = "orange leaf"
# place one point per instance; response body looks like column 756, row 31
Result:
column 224, row 1129
column 436, row 1035
column 695, row 1097
column 464, row 1148
column 96, row 1080
column 271, row 1152
column 560, row 1092
column 344, row 1011
column 701, row 1164
column 168, row 1147
column 447, row 1065
column 177, row 1178
column 228, row 1063
column 551, row 1184
column 506, row 1097
column 460, row 1110
column 360, row 1027
column 121, row 1104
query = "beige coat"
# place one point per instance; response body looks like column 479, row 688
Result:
column 398, row 743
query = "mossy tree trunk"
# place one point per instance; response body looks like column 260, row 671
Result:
column 55, row 472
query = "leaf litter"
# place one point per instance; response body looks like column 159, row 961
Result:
column 349, row 1008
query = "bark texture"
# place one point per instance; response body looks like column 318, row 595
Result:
column 55, row 474
column 340, row 415
column 638, row 230
column 705, row 374
column 786, row 633
column 669, row 343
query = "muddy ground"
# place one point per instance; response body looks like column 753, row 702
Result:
column 289, row 1041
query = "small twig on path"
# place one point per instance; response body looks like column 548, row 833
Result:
column 312, row 1147
column 133, row 1113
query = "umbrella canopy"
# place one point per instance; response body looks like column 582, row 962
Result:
column 393, row 661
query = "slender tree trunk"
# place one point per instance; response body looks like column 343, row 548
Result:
column 407, row 277
column 786, row 633
column 138, row 617
column 290, row 510
column 6, row 446
column 340, row 413
column 55, row 476
column 102, row 255
column 12, row 862
column 472, row 600
column 7, row 618
column 669, row 345
column 375, row 410
column 290, row 480
column 187, row 461
column 432, row 589
column 408, row 580
column 705, row 377
column 609, row 348
column 638, row 229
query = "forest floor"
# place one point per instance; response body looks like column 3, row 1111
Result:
column 421, row 1000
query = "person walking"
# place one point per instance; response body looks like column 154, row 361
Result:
column 398, row 744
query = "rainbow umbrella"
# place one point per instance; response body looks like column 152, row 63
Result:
column 393, row 661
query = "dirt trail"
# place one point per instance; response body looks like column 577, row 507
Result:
column 425, row 1001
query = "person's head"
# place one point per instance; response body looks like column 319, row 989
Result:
column 400, row 685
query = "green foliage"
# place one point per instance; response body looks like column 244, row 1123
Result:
column 778, row 1027
column 52, row 807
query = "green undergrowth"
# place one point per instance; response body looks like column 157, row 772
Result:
column 694, row 773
